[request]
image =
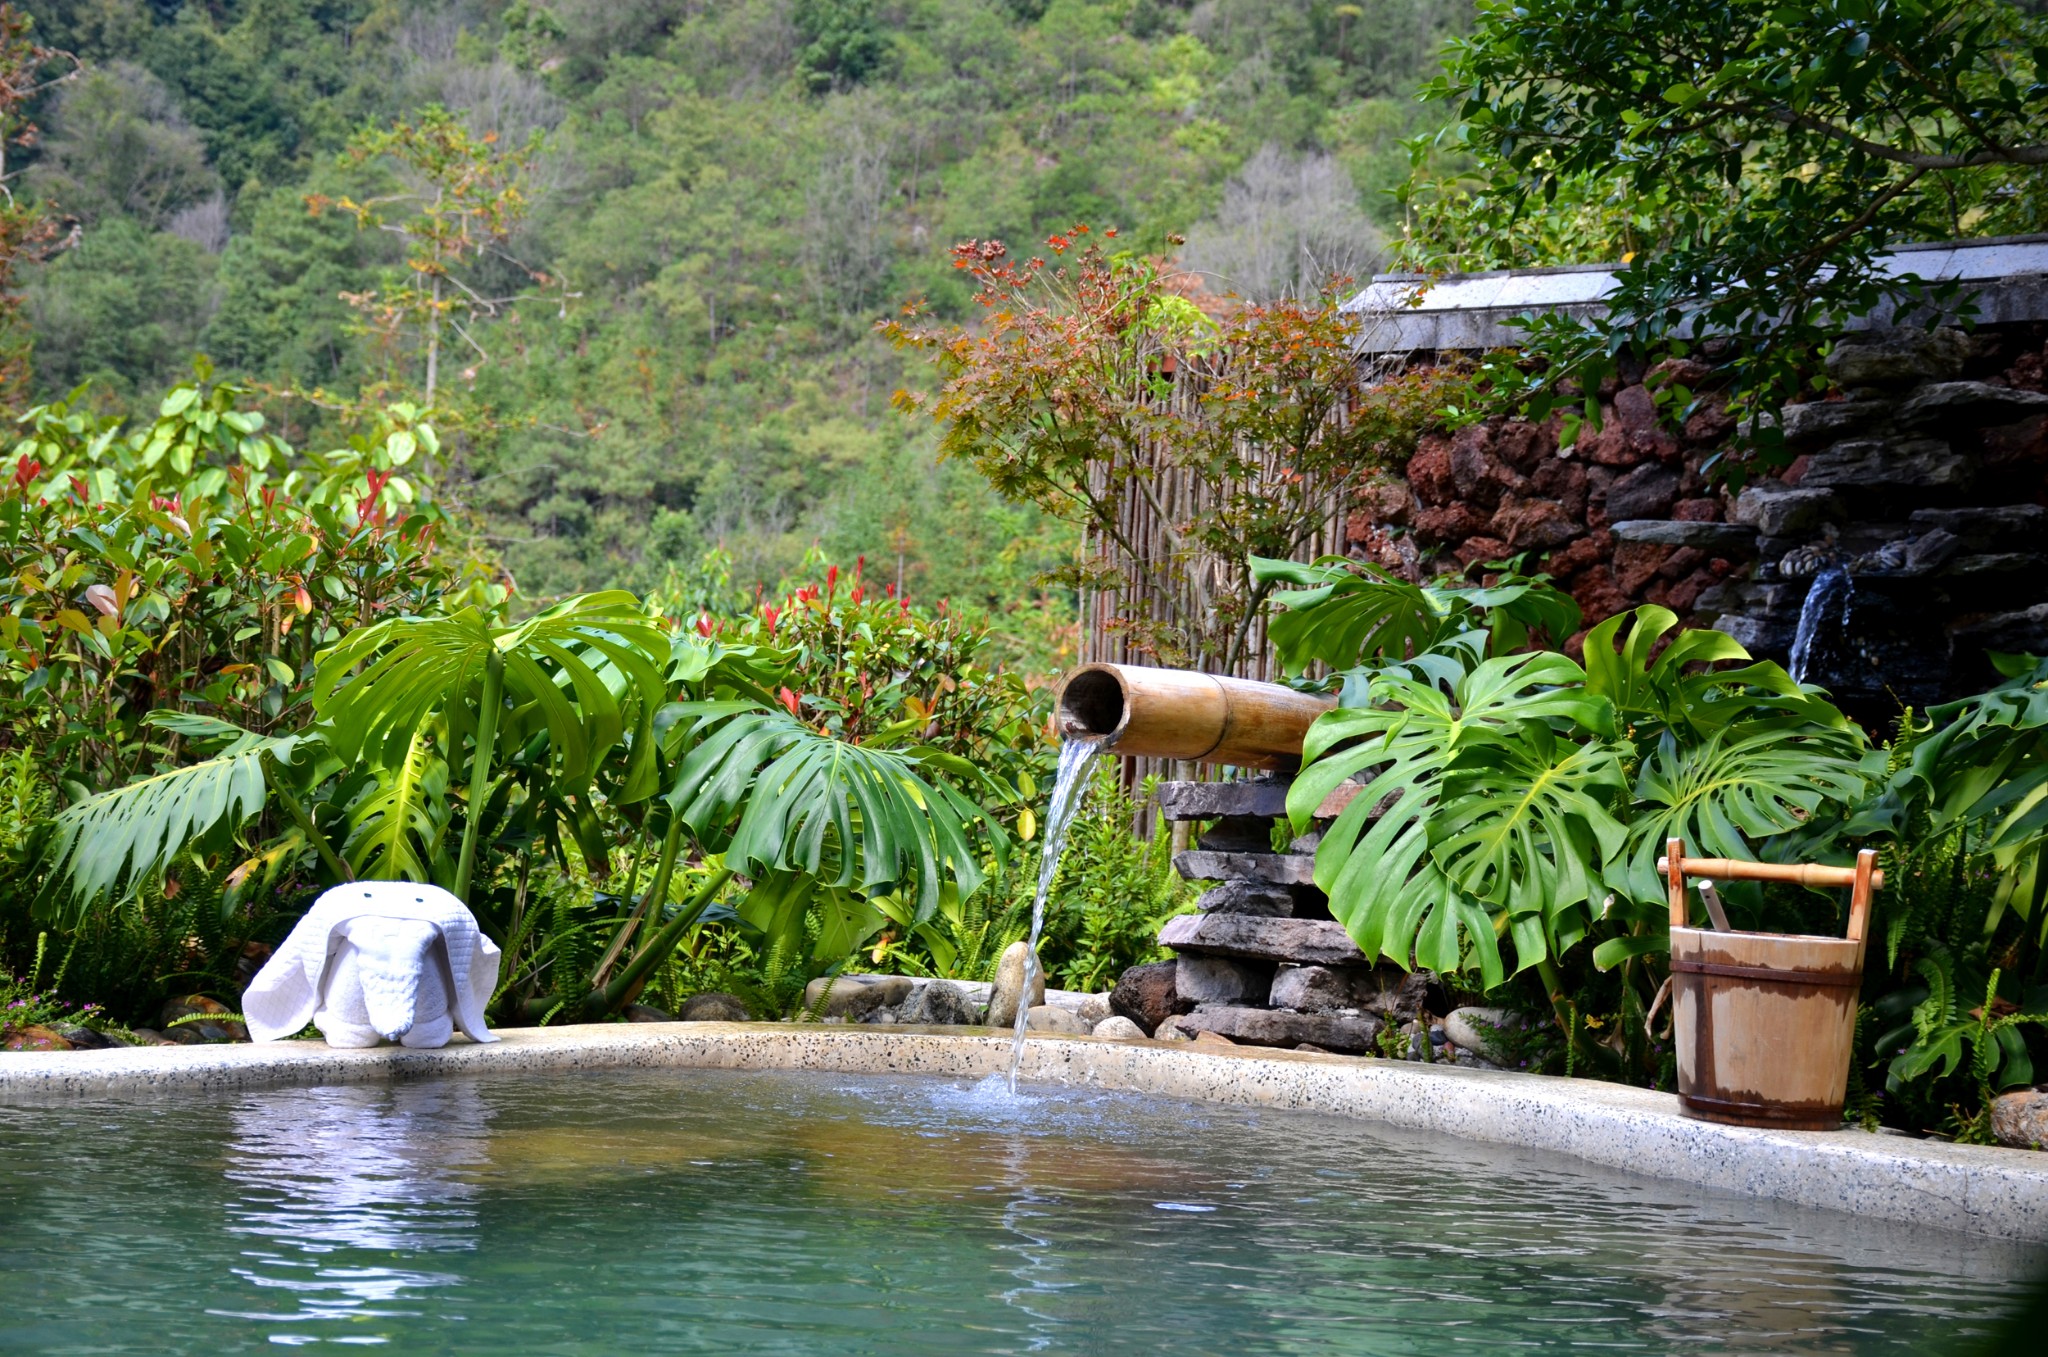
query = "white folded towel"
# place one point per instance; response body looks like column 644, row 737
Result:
column 378, row 960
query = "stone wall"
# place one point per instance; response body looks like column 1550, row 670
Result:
column 1923, row 474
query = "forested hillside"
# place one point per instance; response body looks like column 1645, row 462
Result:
column 709, row 205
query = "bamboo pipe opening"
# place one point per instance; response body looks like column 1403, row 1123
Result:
column 1179, row 714
column 1092, row 705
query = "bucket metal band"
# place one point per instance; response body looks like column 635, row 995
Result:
column 1828, row 1113
column 1791, row 977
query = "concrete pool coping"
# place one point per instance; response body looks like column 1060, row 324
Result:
column 1977, row 1190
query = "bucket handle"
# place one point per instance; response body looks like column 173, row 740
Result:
column 1862, row 879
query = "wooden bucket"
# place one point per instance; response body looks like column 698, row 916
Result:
column 1765, row 1023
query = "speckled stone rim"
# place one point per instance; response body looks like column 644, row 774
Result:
column 1995, row 1192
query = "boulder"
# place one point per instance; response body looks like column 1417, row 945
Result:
column 1174, row 1029
column 1116, row 1027
column 1047, row 1018
column 2021, row 1119
column 32, row 1038
column 1274, row 1027
column 715, row 1006
column 1891, row 360
column 1969, row 405
column 1646, row 492
column 1093, row 1009
column 1324, row 989
column 1008, row 994
column 649, row 1013
column 1477, row 1030
column 83, row 1038
column 940, row 1003
column 1247, row 897
column 1222, row 980
column 852, row 997
column 1146, row 995
column 1318, row 942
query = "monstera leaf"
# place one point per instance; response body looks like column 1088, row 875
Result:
column 774, row 795
column 1437, row 854
column 111, row 843
column 397, row 825
column 1347, row 614
column 1670, row 690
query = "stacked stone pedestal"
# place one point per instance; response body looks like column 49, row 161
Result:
column 1263, row 963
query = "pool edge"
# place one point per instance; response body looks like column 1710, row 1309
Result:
column 1976, row 1190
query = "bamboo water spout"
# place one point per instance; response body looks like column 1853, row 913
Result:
column 1176, row 714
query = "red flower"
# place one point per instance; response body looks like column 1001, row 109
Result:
column 704, row 624
column 831, row 581
column 858, row 591
column 771, row 615
column 25, row 471
column 790, row 700
column 889, row 589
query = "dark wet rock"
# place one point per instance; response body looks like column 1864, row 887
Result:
column 940, row 1003
column 1869, row 464
column 715, row 1006
column 1987, row 529
column 2022, row 632
column 1147, row 995
column 1277, row 1027
column 1649, row 491
column 210, row 1024
column 83, row 1038
column 1222, row 980
column 853, row 996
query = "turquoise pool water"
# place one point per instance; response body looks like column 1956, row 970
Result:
column 716, row 1212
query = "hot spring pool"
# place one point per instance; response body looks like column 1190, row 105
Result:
column 695, row 1211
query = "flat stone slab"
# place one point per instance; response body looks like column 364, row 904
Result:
column 1719, row 539
column 1264, row 798
column 1872, row 463
column 1276, row 1027
column 1310, row 942
column 1974, row 405
column 1277, row 869
column 1978, row 1190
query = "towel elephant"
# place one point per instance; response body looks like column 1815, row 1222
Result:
column 378, row 961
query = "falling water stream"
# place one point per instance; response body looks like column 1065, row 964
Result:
column 1077, row 756
column 1823, row 618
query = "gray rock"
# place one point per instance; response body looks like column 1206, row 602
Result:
column 852, row 997
column 1989, row 529
column 2015, row 633
column 939, row 1003
column 1475, row 1029
column 1146, row 995
column 1046, row 1018
column 1238, row 834
column 1116, row 1027
column 1890, row 360
column 1222, row 980
column 1093, row 1009
column 1247, row 897
column 1647, row 492
column 715, row 1006
column 1931, row 550
column 1278, row 869
column 1263, row 797
column 1993, row 564
column 1308, row 942
column 83, row 1038
column 2020, row 1119
column 1758, row 635
column 1274, row 1027
column 1875, row 463
column 1324, row 989
column 883, row 1016
column 1972, row 405
column 1174, row 1029
column 1820, row 422
column 1717, row 539
column 1008, row 994
column 1778, row 510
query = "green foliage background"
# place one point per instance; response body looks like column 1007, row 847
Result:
column 730, row 195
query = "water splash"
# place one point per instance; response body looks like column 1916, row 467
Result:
column 1077, row 756
column 1823, row 618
